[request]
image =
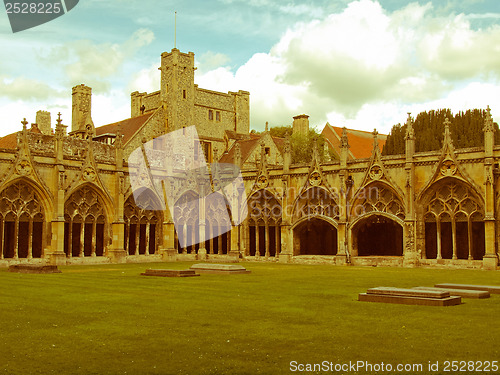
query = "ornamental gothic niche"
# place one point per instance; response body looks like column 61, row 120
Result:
column 21, row 222
column 84, row 224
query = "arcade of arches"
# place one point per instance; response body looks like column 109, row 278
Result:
column 452, row 210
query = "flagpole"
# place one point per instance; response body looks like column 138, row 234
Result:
column 175, row 30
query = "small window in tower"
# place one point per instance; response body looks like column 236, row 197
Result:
column 210, row 114
column 184, row 94
column 217, row 116
column 268, row 151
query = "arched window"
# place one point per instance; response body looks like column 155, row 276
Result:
column 454, row 226
column 85, row 221
column 21, row 222
column 186, row 216
column 142, row 224
column 217, row 224
column 264, row 221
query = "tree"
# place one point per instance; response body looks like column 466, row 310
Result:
column 466, row 130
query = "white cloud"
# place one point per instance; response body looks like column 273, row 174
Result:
column 146, row 80
column 21, row 88
column 366, row 67
column 93, row 64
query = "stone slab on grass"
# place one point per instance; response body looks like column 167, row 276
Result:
column 406, row 300
column 494, row 289
column 33, row 268
column 383, row 290
column 465, row 293
column 219, row 268
column 169, row 273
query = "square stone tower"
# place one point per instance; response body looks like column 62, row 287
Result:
column 81, row 121
column 177, row 90
column 301, row 124
column 43, row 121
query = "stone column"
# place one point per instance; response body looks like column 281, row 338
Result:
column 286, row 243
column 146, row 251
column 211, row 239
column 257, row 240
column 469, row 237
column 137, row 237
column 219, row 240
column 438, row 238
column 16, row 238
column 454, row 237
column 30, row 238
column 202, row 251
column 277, row 239
column 94, row 235
column 490, row 259
column 266, row 234
column 127, row 237
column 184, row 237
column 70, row 237
column 82, row 239
column 234, row 242
column 193, row 239
column 2, row 224
column 246, row 238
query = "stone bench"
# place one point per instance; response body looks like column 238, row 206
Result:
column 219, row 268
column 169, row 273
column 409, row 296
column 33, row 268
column 464, row 293
column 488, row 288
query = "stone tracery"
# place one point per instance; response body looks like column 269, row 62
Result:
column 21, row 212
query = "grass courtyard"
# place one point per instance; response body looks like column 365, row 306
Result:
column 108, row 319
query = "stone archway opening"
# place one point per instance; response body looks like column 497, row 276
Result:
column 315, row 236
column 454, row 223
column 85, row 221
column 378, row 235
column 22, row 222
column 263, row 225
column 141, row 223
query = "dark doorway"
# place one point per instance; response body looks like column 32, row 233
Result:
column 316, row 237
column 379, row 235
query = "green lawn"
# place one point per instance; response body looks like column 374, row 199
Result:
column 109, row 319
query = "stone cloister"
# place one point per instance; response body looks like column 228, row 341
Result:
column 65, row 200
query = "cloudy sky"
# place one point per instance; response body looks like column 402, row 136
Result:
column 361, row 64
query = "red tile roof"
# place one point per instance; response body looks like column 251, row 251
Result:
column 247, row 146
column 128, row 127
column 9, row 141
column 360, row 142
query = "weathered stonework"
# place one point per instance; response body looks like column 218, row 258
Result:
column 71, row 193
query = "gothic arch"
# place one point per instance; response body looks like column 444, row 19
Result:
column 86, row 222
column 453, row 220
column 316, row 201
column 142, row 223
column 23, row 220
column 264, row 224
column 377, row 234
column 315, row 235
column 426, row 195
column 105, row 200
column 186, row 218
column 377, row 197
column 42, row 194
column 217, row 224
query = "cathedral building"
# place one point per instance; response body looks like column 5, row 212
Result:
column 66, row 196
